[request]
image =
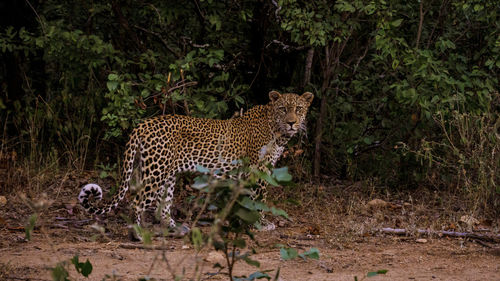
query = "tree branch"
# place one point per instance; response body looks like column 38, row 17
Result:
column 443, row 4
column 157, row 35
column 421, row 22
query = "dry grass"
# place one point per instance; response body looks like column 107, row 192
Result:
column 341, row 212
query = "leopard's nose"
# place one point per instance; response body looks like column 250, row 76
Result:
column 291, row 123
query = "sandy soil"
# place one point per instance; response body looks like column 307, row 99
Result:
column 439, row 259
column 64, row 231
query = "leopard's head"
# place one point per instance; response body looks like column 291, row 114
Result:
column 289, row 111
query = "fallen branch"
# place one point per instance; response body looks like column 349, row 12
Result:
column 298, row 237
column 401, row 231
column 145, row 247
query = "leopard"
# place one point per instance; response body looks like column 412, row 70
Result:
column 168, row 145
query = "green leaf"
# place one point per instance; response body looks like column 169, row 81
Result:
column 59, row 273
column 239, row 243
column 86, row 268
column 265, row 176
column 279, row 212
column 251, row 262
column 253, row 276
column 247, row 216
column 197, row 238
column 253, row 204
column 103, row 174
column 112, row 85
column 288, row 253
column 200, row 182
column 397, row 22
column 239, row 99
column 375, row 273
column 367, row 140
column 313, row 253
column 281, row 174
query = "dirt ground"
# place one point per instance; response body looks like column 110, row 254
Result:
column 345, row 234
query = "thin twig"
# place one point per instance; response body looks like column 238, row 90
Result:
column 37, row 16
column 420, row 23
column 179, row 86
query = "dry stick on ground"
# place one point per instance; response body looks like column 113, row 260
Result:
column 401, row 231
column 145, row 247
column 298, row 237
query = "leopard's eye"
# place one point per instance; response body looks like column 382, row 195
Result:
column 299, row 108
column 282, row 108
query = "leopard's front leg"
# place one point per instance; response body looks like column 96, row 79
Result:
column 260, row 193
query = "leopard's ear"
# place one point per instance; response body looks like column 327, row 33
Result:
column 274, row 96
column 308, row 96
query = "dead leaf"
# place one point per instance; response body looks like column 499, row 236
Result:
column 298, row 152
column 421, row 240
column 377, row 204
column 3, row 201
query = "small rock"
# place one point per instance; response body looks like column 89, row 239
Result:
column 3, row 201
column 214, row 257
column 421, row 240
column 185, row 247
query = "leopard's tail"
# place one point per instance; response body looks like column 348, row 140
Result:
column 91, row 204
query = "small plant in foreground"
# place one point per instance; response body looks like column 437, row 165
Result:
column 237, row 213
column 60, row 272
column 30, row 226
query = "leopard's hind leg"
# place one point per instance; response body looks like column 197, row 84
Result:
column 146, row 196
column 165, row 201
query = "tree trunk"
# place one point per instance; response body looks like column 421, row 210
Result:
column 307, row 71
column 327, row 70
